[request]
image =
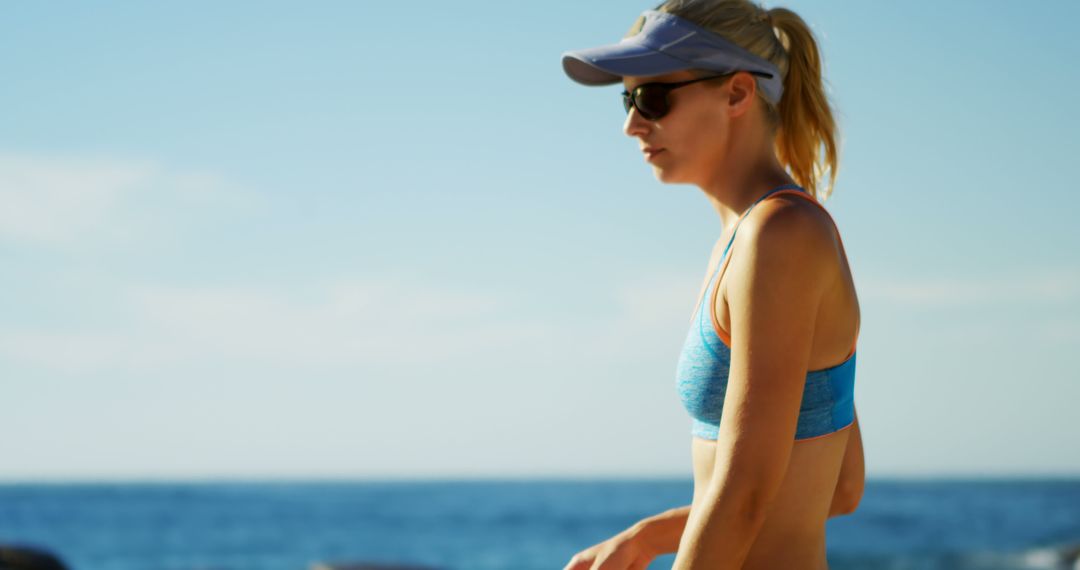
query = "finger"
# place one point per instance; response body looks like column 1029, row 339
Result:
column 605, row 564
column 577, row 563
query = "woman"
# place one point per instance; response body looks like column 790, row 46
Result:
column 727, row 96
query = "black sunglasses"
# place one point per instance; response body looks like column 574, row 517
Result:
column 651, row 99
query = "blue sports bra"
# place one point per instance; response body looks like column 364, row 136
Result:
column 828, row 403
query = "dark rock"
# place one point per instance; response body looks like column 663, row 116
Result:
column 28, row 558
column 366, row 566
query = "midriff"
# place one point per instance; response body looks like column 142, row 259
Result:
column 793, row 534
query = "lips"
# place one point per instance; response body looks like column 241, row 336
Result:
column 650, row 152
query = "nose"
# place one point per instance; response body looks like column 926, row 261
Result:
column 635, row 124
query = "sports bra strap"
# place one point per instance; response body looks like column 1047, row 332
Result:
column 781, row 188
column 732, row 239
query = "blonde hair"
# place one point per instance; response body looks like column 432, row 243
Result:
column 803, row 120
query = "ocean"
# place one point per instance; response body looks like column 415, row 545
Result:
column 513, row 524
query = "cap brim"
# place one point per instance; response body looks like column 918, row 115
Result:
column 608, row 64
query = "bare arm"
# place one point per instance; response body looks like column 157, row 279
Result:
column 635, row 547
column 660, row 534
column 773, row 307
column 849, row 487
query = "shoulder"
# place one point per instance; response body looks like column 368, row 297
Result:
column 791, row 237
column 789, row 216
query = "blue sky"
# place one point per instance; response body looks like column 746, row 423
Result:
column 358, row 239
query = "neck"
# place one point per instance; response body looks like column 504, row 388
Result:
column 741, row 178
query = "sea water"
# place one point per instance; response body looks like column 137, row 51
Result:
column 488, row 524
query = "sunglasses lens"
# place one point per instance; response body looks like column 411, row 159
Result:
column 651, row 103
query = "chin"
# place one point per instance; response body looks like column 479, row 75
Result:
column 666, row 176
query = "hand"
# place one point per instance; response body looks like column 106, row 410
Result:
column 620, row 552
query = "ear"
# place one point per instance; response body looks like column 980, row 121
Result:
column 743, row 89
